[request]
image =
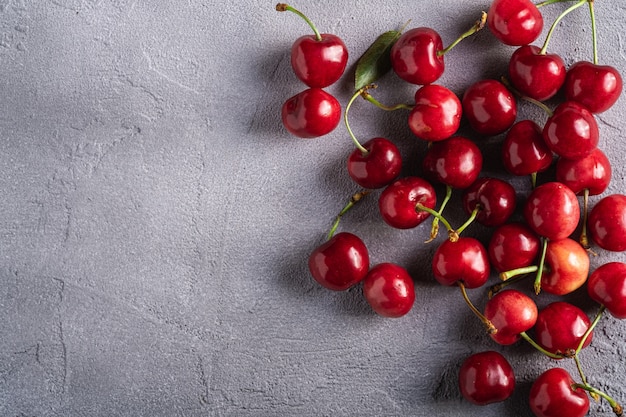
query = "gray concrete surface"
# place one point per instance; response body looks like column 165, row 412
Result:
column 156, row 218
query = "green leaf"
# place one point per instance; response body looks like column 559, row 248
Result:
column 376, row 61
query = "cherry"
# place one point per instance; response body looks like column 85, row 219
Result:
column 378, row 166
column 597, row 87
column 415, row 57
column 464, row 260
column 340, row 263
column 494, row 198
column 489, row 107
column 523, row 151
column 553, row 394
column 486, row 377
column 567, row 267
column 311, row 113
column 397, row 203
column 436, row 114
column 513, row 246
column 607, row 223
column 515, row 22
column 560, row 328
column 389, row 290
column 572, row 131
column 552, row 211
column 607, row 286
column 455, row 162
column 592, row 173
column 535, row 74
column 511, row 312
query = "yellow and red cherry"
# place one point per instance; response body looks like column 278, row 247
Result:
column 489, row 107
column 494, row 198
column 523, row 151
column 311, row 113
column 415, row 56
column 555, row 394
column 597, row 87
column 513, row 246
column 592, row 172
column 455, row 162
column 461, row 261
column 607, row 223
column 511, row 312
column 389, row 290
column 552, row 211
column 340, row 263
column 378, row 166
column 535, row 74
column 397, row 202
column 515, row 22
column 437, row 113
column 572, row 131
column 486, row 378
column 607, row 286
column 567, row 267
column 560, row 328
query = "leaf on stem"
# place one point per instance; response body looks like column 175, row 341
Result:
column 376, row 61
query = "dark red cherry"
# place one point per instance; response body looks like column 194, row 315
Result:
column 389, row 290
column 572, row 131
column 607, row 286
column 513, row 246
column 511, row 312
column 597, row 87
column 523, row 151
column 567, row 267
column 535, row 75
column 415, row 58
column 607, row 223
column 436, row 114
column 561, row 326
column 378, row 167
column 311, row 113
column 486, row 378
column 397, row 203
column 515, row 22
column 553, row 395
column 489, row 107
column 456, row 162
column 464, row 260
column 552, row 211
column 592, row 172
column 340, row 262
column 495, row 197
column 319, row 63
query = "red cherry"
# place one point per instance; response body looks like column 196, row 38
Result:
column 340, row 262
column 415, row 58
column 489, row 107
column 378, row 167
column 486, row 377
column 593, row 173
column 464, row 260
column 607, row 286
column 572, row 131
column 553, row 395
column 523, row 151
column 389, row 290
column 552, row 211
column 511, row 312
column 568, row 267
column 535, row 75
column 561, row 326
column 311, row 113
column 456, row 162
column 436, row 114
column 319, row 63
column 495, row 197
column 397, row 203
column 607, row 223
column 513, row 246
column 515, row 22
column 597, row 87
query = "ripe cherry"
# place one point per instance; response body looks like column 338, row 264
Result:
column 495, row 199
column 597, row 87
column 389, row 290
column 567, row 267
column 511, row 312
column 340, row 263
column 464, row 260
column 523, row 151
column 378, row 167
column 455, row 162
column 572, row 131
column 397, row 203
column 534, row 74
column 607, row 223
column 607, row 286
column 515, row 22
column 553, row 394
column 552, row 211
column 436, row 114
column 486, row 377
column 489, row 107
column 560, row 328
column 311, row 113
column 415, row 57
column 592, row 172
column 513, row 246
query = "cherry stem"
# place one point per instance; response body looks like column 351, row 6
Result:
column 536, row 345
column 282, row 7
column 513, row 273
column 491, row 329
column 590, row 329
column 617, row 408
column 557, row 21
column 548, row 2
column 533, row 180
column 434, row 230
column 356, row 197
column 594, row 32
column 496, row 288
column 421, row 207
column 345, row 119
column 531, row 100
column 583, row 378
column 475, row 28
column 542, row 260
column 584, row 240
column 367, row 96
column 470, row 220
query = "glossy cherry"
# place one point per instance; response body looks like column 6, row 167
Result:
column 436, row 114
column 523, row 151
column 489, row 107
column 486, row 378
column 377, row 168
column 597, row 87
column 389, row 290
column 397, row 203
column 495, row 198
column 607, row 286
column 311, row 113
column 513, row 246
column 515, row 22
column 511, row 312
column 552, row 211
column 560, row 328
column 415, row 57
column 455, row 162
column 464, row 260
column 553, row 394
column 340, row 263
column 592, row 172
column 607, row 223
column 572, row 131
column 536, row 75
column 566, row 267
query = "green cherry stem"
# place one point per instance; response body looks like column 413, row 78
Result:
column 491, row 329
column 617, row 408
column 549, row 2
column 514, row 273
column 496, row 288
column 531, row 100
column 367, row 96
column 345, row 119
column 470, row 220
column 356, row 197
column 590, row 329
column 434, row 230
column 594, row 32
column 584, row 239
column 536, row 345
column 282, row 7
column 475, row 28
column 542, row 260
column 533, row 180
column 435, row 214
column 557, row 21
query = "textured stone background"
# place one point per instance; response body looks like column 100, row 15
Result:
column 156, row 219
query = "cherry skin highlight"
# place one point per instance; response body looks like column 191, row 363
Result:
column 378, row 167
column 592, row 173
column 535, row 75
column 513, row 246
column 340, row 263
column 389, row 290
column 486, row 378
column 523, row 151
column 552, row 395
column 495, row 198
column 572, row 131
column 397, row 203
column 511, row 312
column 415, row 58
column 489, row 107
column 456, row 162
column 567, row 267
column 561, row 326
column 319, row 63
column 597, row 87
column 465, row 260
column 607, row 286
column 552, row 211
column 515, row 22
column 311, row 113
column 607, row 223
column 437, row 113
